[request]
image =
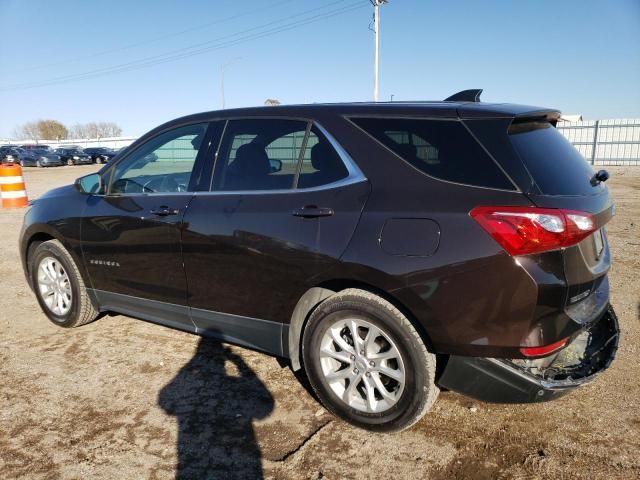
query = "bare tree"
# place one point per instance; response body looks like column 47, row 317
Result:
column 42, row 129
column 27, row 131
column 272, row 102
column 78, row 130
column 95, row 130
column 109, row 129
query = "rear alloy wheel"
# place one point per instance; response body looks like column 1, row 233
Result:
column 367, row 363
column 38, row 164
column 98, row 160
column 59, row 286
column 70, row 162
column 22, row 163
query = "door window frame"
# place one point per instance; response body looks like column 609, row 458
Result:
column 199, row 173
column 354, row 174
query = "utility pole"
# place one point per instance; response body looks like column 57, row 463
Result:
column 376, row 31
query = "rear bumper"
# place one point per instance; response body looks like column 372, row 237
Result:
column 513, row 381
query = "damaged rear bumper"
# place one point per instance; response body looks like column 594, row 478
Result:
column 524, row 381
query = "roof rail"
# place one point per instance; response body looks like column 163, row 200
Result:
column 472, row 95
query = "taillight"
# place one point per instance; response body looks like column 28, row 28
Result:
column 525, row 230
column 544, row 350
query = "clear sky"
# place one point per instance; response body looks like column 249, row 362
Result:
column 140, row 63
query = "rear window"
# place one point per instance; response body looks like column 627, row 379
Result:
column 554, row 164
column 441, row 149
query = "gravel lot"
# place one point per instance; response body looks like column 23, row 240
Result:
column 121, row 398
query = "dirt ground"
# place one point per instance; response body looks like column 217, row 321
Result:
column 121, row 398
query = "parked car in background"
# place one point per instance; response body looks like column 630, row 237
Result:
column 29, row 158
column 73, row 155
column 30, row 147
column 6, row 154
column 44, row 158
column 389, row 249
column 99, row 154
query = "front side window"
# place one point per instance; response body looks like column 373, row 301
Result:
column 163, row 164
column 439, row 148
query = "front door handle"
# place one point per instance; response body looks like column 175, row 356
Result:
column 164, row 211
column 311, row 211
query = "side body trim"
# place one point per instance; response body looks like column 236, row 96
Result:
column 255, row 333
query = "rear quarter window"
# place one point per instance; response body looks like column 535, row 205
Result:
column 555, row 165
column 439, row 148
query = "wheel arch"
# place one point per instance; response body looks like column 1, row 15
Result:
column 38, row 234
column 316, row 295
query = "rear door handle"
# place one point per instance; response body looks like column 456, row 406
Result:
column 164, row 211
column 311, row 211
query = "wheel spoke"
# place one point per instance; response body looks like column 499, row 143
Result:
column 348, row 392
column 370, row 393
column 391, row 373
column 335, row 336
column 358, row 343
column 46, row 268
column 60, row 303
column 341, row 356
column 381, row 388
column 388, row 355
column 369, row 341
column 339, row 375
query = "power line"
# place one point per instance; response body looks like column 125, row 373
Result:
column 199, row 48
column 151, row 40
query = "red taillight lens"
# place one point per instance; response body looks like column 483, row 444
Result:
column 545, row 350
column 525, row 230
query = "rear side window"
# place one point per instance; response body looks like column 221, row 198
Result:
column 441, row 149
column 554, row 164
column 321, row 164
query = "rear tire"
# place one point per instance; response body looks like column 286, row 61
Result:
column 70, row 162
column 383, row 380
column 59, row 287
column 98, row 160
column 38, row 164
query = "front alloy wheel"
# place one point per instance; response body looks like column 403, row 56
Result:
column 54, row 286
column 58, row 285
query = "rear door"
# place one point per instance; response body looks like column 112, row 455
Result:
column 284, row 202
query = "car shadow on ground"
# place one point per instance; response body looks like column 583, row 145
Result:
column 215, row 397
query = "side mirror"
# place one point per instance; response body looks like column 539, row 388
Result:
column 276, row 165
column 89, row 184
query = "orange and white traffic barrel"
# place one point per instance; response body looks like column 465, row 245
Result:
column 12, row 189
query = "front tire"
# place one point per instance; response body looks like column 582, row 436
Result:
column 367, row 363
column 59, row 287
column 38, row 164
column 70, row 162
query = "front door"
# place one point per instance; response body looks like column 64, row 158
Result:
column 131, row 234
column 282, row 209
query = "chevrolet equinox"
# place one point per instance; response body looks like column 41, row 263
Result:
column 388, row 249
